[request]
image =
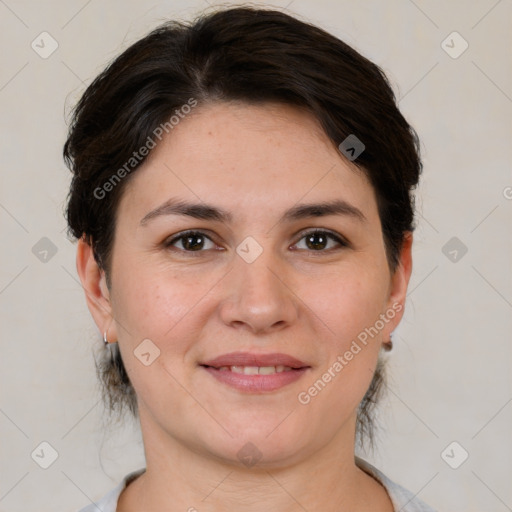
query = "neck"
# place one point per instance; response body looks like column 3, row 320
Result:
column 179, row 477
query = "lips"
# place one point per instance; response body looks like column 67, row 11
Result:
column 255, row 373
column 247, row 359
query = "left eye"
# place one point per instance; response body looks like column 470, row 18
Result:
column 318, row 241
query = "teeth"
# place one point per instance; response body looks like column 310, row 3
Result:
column 246, row 370
column 256, row 370
column 267, row 370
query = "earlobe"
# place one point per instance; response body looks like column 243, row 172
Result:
column 94, row 284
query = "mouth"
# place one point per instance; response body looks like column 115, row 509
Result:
column 255, row 360
column 255, row 373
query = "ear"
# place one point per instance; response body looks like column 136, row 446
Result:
column 96, row 291
column 395, row 304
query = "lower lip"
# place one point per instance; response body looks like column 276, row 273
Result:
column 256, row 383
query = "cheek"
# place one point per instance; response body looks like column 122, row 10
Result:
column 157, row 305
column 350, row 307
column 152, row 301
column 336, row 392
column 347, row 302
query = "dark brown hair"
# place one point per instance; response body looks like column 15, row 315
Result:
column 245, row 54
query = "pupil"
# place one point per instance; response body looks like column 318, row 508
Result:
column 189, row 245
column 321, row 242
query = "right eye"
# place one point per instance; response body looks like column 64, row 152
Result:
column 191, row 241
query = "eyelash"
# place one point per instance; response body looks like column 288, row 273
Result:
column 337, row 238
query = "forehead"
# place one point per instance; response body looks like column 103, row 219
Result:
column 248, row 157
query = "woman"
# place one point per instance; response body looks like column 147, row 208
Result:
column 242, row 200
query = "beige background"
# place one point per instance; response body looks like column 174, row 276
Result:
column 451, row 369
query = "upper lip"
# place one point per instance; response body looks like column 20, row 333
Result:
column 252, row 359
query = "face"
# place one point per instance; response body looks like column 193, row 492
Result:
column 260, row 274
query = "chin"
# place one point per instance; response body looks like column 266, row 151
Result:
column 260, row 446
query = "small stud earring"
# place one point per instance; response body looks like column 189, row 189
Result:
column 388, row 345
column 109, row 346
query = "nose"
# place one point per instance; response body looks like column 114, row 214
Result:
column 258, row 297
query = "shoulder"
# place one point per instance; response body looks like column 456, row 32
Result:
column 109, row 502
column 402, row 499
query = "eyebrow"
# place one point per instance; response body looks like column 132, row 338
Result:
column 205, row 211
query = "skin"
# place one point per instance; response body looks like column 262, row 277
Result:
column 307, row 301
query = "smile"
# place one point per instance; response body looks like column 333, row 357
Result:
column 255, row 379
column 253, row 372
